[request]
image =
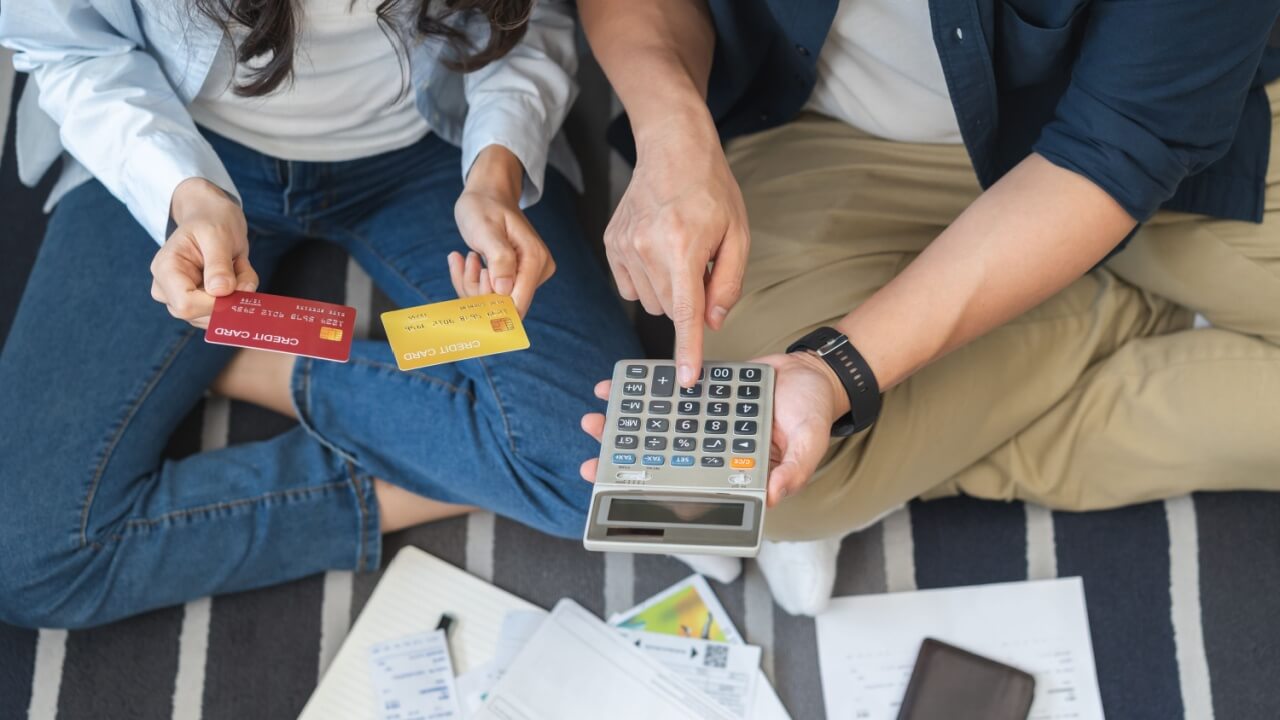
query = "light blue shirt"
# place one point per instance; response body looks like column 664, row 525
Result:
column 112, row 80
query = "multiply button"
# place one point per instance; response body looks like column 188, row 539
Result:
column 656, row 424
column 664, row 380
column 637, row 371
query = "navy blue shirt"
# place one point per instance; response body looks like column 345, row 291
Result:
column 1158, row 102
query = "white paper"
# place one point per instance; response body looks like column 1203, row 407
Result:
column 867, row 644
column 767, row 705
column 415, row 589
column 725, row 672
column 413, row 678
column 474, row 686
column 577, row 668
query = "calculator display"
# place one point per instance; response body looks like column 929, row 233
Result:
column 689, row 513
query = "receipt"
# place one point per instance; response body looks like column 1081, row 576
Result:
column 726, row 672
column 413, row 678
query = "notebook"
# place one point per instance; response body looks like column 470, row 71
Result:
column 413, row 592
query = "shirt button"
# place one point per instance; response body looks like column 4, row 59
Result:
column 804, row 51
column 959, row 35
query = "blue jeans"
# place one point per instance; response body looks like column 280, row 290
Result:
column 96, row 525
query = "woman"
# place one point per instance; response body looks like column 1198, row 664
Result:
column 227, row 131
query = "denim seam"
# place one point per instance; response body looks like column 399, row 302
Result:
column 303, row 406
column 362, row 564
column 147, row 524
column 120, row 430
column 415, row 374
column 502, row 411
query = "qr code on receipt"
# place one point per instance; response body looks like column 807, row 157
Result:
column 716, row 656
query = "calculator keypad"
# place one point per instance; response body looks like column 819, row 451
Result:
column 714, row 424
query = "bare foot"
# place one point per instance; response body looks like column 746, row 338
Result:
column 259, row 377
column 400, row 508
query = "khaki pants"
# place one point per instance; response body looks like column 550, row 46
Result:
column 1102, row 396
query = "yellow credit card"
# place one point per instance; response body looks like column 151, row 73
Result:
column 454, row 330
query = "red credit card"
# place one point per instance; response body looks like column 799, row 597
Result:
column 282, row 324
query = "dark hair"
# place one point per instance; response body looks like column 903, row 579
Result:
column 273, row 30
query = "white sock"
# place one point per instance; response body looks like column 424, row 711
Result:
column 801, row 575
column 721, row 568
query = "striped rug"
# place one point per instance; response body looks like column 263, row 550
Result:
column 1182, row 595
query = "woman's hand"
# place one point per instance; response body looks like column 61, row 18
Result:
column 515, row 259
column 206, row 257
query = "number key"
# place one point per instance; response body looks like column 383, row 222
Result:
column 718, row 391
column 689, row 407
column 746, row 409
column 749, row 374
column 716, row 427
column 718, row 408
column 686, row 425
column 721, row 373
column 744, row 427
column 689, row 392
column 749, row 392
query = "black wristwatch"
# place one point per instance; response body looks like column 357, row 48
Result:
column 854, row 373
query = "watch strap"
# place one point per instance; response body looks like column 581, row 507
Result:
column 854, row 374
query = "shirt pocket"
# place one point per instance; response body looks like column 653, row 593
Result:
column 1036, row 39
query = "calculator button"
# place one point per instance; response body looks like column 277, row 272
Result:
column 664, row 380
column 722, row 374
column 713, row 445
column 653, row 460
column 628, row 423
column 682, row 461
column 712, row 461
column 685, row 444
column 637, row 372
column 744, row 427
column 633, row 388
column 624, row 458
column 717, row 427
column 688, row 407
column 659, row 407
column 749, row 392
column 625, row 442
column 655, row 442
column 631, row 406
column 686, row 425
column 749, row 374
column 748, row 409
column 740, row 463
column 717, row 408
column 656, row 425
column 718, row 391
column 695, row 391
column 741, row 445
column 739, row 479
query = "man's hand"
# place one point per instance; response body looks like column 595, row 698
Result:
column 807, row 399
column 681, row 211
column 206, row 257
column 516, row 261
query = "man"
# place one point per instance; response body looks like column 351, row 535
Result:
column 946, row 188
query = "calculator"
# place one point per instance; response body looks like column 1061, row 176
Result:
column 683, row 470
